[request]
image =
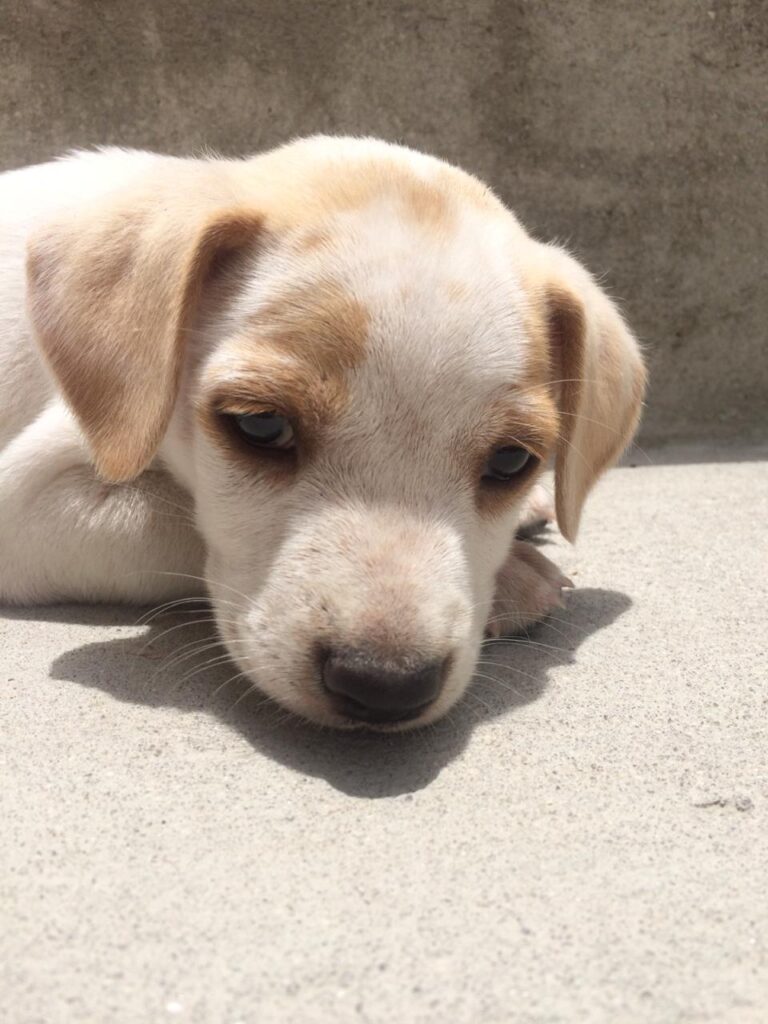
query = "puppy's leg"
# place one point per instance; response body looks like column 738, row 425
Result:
column 528, row 588
column 67, row 536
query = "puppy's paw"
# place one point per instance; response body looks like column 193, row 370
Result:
column 539, row 510
column 528, row 588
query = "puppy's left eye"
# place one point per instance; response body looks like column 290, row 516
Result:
column 265, row 429
column 507, row 463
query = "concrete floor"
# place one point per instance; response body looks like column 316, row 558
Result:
column 585, row 840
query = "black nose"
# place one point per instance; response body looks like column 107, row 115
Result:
column 372, row 689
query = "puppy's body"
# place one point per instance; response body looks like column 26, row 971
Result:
column 65, row 534
column 403, row 325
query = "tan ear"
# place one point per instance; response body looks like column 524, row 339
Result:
column 601, row 381
column 111, row 291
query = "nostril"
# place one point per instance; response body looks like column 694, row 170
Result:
column 375, row 689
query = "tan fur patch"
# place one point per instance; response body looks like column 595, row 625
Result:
column 320, row 324
column 294, row 357
column 305, row 194
column 427, row 204
column 111, row 294
column 525, row 418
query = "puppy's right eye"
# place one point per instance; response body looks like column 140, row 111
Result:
column 265, row 429
column 507, row 463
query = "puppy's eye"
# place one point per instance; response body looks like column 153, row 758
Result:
column 507, row 463
column 265, row 429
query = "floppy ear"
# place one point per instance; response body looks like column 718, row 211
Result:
column 111, row 290
column 600, row 379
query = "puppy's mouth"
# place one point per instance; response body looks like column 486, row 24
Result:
column 358, row 714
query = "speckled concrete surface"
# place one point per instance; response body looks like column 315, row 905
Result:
column 585, row 840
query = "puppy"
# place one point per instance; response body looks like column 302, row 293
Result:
column 317, row 385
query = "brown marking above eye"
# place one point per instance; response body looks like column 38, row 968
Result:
column 525, row 418
column 319, row 324
column 293, row 357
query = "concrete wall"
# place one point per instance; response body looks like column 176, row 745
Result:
column 635, row 131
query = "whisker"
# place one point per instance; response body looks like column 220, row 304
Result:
column 500, row 682
column 179, row 659
column 147, row 616
column 179, row 625
column 210, row 664
column 509, row 668
column 209, row 636
column 251, row 689
column 190, row 576
column 523, row 642
column 470, row 694
column 232, row 679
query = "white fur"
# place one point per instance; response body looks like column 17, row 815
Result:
column 380, row 536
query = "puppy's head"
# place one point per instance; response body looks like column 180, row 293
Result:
column 358, row 363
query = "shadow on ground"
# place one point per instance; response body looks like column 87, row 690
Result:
column 157, row 670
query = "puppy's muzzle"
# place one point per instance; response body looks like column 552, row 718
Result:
column 370, row 688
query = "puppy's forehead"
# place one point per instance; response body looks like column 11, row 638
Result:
column 393, row 281
column 434, row 278
column 305, row 182
column 445, row 299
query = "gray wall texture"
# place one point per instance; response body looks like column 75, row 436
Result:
column 633, row 131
